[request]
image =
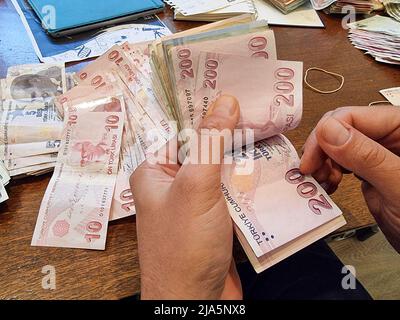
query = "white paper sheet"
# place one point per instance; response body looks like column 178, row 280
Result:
column 392, row 95
column 116, row 35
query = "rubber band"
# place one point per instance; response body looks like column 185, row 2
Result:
column 378, row 102
column 336, row 75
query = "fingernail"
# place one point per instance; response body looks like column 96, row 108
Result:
column 224, row 106
column 334, row 133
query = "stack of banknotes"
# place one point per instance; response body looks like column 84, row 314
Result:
column 359, row 6
column 392, row 8
column 378, row 36
column 342, row 6
column 130, row 94
column 287, row 6
column 30, row 124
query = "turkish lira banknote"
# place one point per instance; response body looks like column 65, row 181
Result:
column 30, row 124
column 34, row 81
column 76, row 206
column 274, row 204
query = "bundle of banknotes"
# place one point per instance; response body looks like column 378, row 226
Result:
column 342, row 6
column 287, row 6
column 131, row 93
column 392, row 8
column 30, row 124
column 378, row 36
column 359, row 6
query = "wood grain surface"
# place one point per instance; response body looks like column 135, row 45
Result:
column 376, row 263
column 114, row 273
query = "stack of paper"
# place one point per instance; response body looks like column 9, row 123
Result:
column 360, row 6
column 341, row 6
column 379, row 36
column 30, row 123
column 287, row 6
column 303, row 16
column 392, row 8
column 212, row 10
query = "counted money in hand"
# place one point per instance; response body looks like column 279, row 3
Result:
column 276, row 210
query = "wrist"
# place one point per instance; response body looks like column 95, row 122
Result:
column 160, row 289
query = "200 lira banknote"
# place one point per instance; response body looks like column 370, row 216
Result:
column 274, row 204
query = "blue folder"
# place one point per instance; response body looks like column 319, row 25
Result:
column 63, row 17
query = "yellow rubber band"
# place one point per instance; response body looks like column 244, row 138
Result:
column 378, row 102
column 336, row 75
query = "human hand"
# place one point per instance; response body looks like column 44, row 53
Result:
column 184, row 229
column 365, row 141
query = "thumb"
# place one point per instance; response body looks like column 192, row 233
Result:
column 203, row 176
column 358, row 153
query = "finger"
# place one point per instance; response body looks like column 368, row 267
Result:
column 156, row 173
column 381, row 124
column 335, row 178
column 313, row 156
column 388, row 223
column 344, row 171
column 356, row 152
column 204, row 179
column 323, row 173
column 149, row 178
column 336, row 173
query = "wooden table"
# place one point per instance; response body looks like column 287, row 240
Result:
column 114, row 273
